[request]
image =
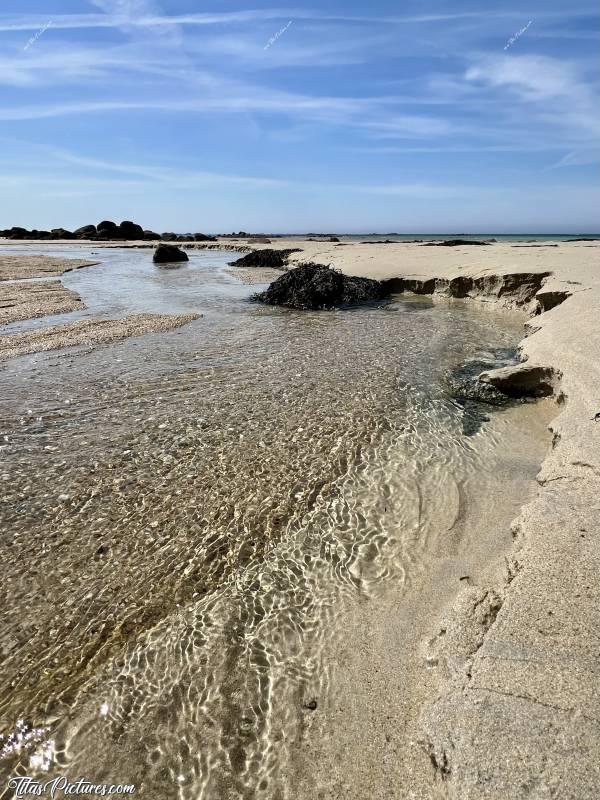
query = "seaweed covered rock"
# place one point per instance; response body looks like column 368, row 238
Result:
column 314, row 286
column 457, row 243
column 168, row 253
column 270, row 259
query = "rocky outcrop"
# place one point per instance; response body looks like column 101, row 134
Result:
column 86, row 232
column 522, row 380
column 130, row 230
column 267, row 259
column 456, row 243
column 168, row 254
column 61, row 233
column 103, row 232
column 314, row 286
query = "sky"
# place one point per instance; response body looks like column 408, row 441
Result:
column 330, row 116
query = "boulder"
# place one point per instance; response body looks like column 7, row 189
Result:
column 522, row 380
column 85, row 232
column 202, row 237
column 61, row 233
column 150, row 236
column 16, row 233
column 314, row 286
column 129, row 230
column 259, row 240
column 168, row 253
column 269, row 259
column 169, row 236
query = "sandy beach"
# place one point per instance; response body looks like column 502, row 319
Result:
column 478, row 680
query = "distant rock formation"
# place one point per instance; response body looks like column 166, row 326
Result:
column 105, row 231
column 314, row 286
column 168, row 253
column 86, row 232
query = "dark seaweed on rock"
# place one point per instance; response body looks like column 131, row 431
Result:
column 457, row 243
column 272, row 259
column 314, row 286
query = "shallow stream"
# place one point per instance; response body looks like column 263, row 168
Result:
column 187, row 517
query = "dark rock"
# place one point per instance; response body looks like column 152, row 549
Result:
column 150, row 236
column 130, row 230
column 472, row 389
column 168, row 253
column 314, row 286
column 202, row 237
column 455, row 243
column 582, row 239
column 271, row 259
column 61, row 233
column 259, row 240
column 85, row 232
column 107, row 225
column 333, row 239
column 169, row 236
column 522, row 380
column 311, row 705
column 16, row 233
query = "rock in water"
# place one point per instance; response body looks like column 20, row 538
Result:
column 314, row 286
column 270, row 259
column 168, row 253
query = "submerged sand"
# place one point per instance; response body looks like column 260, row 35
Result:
column 88, row 332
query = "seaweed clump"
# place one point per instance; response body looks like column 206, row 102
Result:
column 314, row 286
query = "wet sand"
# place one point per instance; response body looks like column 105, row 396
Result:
column 17, row 268
column 23, row 298
column 88, row 332
column 28, row 300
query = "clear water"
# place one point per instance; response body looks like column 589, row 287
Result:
column 188, row 516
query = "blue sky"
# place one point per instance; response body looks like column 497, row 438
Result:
column 332, row 116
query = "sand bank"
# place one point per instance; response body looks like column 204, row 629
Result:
column 16, row 268
column 88, row 332
column 22, row 299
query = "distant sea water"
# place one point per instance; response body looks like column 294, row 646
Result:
column 426, row 237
